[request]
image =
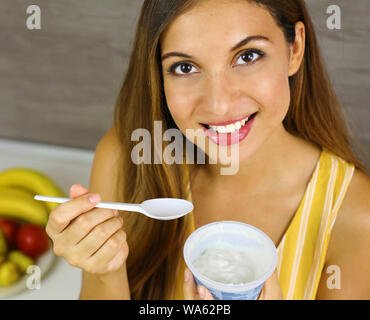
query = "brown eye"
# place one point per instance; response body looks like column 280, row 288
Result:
column 248, row 57
column 185, row 68
column 251, row 56
column 181, row 68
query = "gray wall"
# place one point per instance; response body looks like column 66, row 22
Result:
column 58, row 85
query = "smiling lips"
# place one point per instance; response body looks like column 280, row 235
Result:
column 229, row 132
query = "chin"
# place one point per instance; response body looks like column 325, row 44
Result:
column 239, row 153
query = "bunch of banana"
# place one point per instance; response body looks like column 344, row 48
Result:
column 18, row 186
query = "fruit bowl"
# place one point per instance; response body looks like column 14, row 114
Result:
column 23, row 239
column 44, row 262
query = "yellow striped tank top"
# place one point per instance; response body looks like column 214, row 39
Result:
column 303, row 247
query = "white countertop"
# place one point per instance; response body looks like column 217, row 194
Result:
column 66, row 166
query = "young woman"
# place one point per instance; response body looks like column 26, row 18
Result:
column 197, row 64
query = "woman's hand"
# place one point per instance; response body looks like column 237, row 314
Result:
column 89, row 238
column 271, row 290
column 192, row 291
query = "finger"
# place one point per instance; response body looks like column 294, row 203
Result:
column 271, row 290
column 77, row 190
column 189, row 287
column 273, row 287
column 84, row 223
column 99, row 235
column 62, row 215
column 204, row 293
column 119, row 258
column 261, row 295
column 109, row 250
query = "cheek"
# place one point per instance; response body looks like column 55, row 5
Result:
column 179, row 104
column 274, row 95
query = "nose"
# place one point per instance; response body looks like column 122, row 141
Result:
column 220, row 94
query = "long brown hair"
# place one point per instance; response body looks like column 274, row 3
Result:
column 314, row 115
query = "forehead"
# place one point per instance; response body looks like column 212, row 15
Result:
column 218, row 20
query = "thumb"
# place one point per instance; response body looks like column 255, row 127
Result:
column 271, row 289
column 77, row 190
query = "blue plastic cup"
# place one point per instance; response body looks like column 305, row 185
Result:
column 261, row 252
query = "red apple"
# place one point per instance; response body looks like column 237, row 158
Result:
column 9, row 227
column 32, row 240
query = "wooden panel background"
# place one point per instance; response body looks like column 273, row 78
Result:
column 58, row 85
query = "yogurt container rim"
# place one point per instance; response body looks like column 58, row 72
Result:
column 229, row 287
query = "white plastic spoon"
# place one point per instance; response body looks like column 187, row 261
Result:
column 160, row 208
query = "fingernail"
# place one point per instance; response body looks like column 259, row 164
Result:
column 201, row 292
column 115, row 211
column 94, row 198
column 187, row 275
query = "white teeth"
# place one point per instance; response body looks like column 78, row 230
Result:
column 220, row 129
column 229, row 128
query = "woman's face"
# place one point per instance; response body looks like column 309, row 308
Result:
column 218, row 82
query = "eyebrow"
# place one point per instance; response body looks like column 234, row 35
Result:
column 237, row 46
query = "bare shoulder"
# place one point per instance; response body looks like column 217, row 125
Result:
column 355, row 208
column 358, row 193
column 349, row 244
column 110, row 139
column 105, row 164
column 354, row 213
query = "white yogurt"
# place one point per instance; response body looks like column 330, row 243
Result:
column 231, row 259
column 226, row 265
